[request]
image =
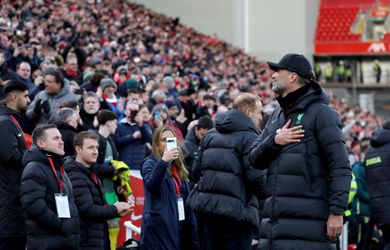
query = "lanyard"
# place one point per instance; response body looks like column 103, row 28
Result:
column 55, row 173
column 17, row 123
column 176, row 180
column 94, row 178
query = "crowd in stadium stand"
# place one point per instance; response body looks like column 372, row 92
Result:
column 77, row 58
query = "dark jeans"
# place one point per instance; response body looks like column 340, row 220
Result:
column 13, row 243
column 224, row 234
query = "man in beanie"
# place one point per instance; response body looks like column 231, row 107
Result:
column 108, row 87
column 378, row 171
column 309, row 175
column 12, row 148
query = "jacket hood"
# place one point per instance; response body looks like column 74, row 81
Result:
column 234, row 120
column 191, row 136
column 380, row 137
column 4, row 110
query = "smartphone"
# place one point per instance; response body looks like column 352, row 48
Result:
column 171, row 143
column 157, row 115
column 78, row 91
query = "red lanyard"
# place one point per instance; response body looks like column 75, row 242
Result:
column 176, row 180
column 17, row 123
column 55, row 173
column 94, row 178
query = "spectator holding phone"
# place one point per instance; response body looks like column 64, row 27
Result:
column 131, row 136
column 166, row 223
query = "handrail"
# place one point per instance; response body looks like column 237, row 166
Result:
column 130, row 228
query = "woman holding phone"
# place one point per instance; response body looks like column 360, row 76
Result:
column 166, row 223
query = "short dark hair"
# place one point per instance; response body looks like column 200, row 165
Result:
column 39, row 132
column 70, row 104
column 205, row 122
column 58, row 77
column 78, row 139
column 20, row 63
column 106, row 115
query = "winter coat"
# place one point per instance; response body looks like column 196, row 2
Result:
column 132, row 151
column 39, row 184
column 12, row 147
column 228, row 184
column 306, row 181
column 191, row 146
column 55, row 101
column 91, row 205
column 68, row 133
column 161, row 228
column 378, row 175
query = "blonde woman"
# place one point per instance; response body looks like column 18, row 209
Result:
column 166, row 223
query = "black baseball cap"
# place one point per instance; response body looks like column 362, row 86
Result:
column 14, row 85
column 294, row 63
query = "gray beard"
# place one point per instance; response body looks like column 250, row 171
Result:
column 275, row 87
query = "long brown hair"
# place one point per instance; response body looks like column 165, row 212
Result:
column 158, row 153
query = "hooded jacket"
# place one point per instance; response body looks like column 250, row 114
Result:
column 91, row 205
column 45, row 230
column 12, row 148
column 55, row 101
column 306, row 181
column 378, row 175
column 228, row 183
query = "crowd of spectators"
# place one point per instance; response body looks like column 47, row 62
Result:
column 80, row 57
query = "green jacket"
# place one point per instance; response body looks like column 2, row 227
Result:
column 361, row 201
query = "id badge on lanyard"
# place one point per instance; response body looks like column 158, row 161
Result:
column 180, row 209
column 180, row 202
column 62, row 201
column 62, row 205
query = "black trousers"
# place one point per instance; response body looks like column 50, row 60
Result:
column 13, row 243
column 225, row 234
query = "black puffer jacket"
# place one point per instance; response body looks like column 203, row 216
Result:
column 93, row 210
column 68, row 133
column 39, row 184
column 12, row 147
column 228, row 182
column 306, row 181
column 378, row 175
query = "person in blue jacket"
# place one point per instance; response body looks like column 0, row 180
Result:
column 166, row 223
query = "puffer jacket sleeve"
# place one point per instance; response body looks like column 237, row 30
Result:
column 264, row 150
column 10, row 151
column 153, row 173
column 33, row 192
column 334, row 152
column 84, row 200
column 256, row 178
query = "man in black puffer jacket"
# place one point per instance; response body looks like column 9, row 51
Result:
column 378, row 177
column 308, row 176
column 12, row 148
column 93, row 210
column 225, row 195
column 43, row 180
